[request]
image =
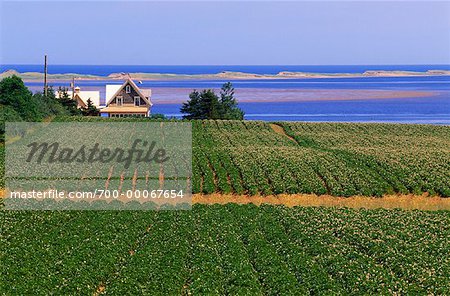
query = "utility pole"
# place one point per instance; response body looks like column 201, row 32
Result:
column 73, row 87
column 45, row 75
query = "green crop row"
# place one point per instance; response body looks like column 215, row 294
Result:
column 334, row 158
column 401, row 158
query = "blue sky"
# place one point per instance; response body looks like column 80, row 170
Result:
column 225, row 33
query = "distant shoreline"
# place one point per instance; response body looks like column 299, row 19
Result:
column 33, row 76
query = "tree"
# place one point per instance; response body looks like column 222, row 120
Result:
column 49, row 105
column 7, row 114
column 192, row 106
column 230, row 109
column 17, row 103
column 15, row 94
column 90, row 109
column 207, row 105
column 201, row 105
column 68, row 103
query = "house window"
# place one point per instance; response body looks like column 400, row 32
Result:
column 119, row 101
column 127, row 89
column 137, row 101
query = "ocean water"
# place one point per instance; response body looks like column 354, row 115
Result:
column 426, row 109
column 418, row 110
column 386, row 83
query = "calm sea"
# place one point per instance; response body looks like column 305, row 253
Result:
column 427, row 109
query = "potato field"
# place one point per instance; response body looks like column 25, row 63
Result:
column 226, row 250
column 340, row 159
column 255, row 250
column 249, row 157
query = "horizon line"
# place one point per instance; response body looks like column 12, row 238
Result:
column 232, row 65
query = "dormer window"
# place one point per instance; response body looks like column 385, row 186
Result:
column 119, row 101
column 127, row 89
column 137, row 101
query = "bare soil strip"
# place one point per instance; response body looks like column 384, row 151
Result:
column 280, row 130
column 407, row 202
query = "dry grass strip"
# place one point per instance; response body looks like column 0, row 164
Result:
column 407, row 202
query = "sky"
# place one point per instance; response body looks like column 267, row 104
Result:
column 225, row 33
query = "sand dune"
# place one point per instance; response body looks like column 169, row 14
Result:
column 222, row 75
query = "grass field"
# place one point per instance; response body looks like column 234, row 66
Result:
column 226, row 250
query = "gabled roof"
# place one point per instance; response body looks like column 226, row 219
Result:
column 111, row 89
column 84, row 96
column 133, row 85
column 80, row 101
